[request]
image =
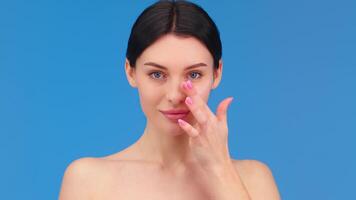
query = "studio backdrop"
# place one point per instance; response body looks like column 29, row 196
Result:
column 290, row 66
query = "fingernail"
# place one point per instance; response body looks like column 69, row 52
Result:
column 181, row 122
column 189, row 84
column 189, row 101
column 231, row 98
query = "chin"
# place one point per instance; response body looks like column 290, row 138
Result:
column 171, row 128
column 174, row 129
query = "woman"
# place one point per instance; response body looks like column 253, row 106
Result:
column 174, row 60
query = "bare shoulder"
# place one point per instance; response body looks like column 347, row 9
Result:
column 258, row 179
column 77, row 182
column 252, row 168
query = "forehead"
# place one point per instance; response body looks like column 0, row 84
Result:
column 174, row 51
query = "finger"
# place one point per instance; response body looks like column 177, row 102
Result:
column 200, row 116
column 196, row 104
column 191, row 91
column 190, row 130
column 221, row 112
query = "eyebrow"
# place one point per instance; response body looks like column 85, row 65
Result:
column 189, row 67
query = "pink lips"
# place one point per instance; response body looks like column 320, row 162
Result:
column 175, row 114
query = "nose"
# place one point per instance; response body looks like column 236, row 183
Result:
column 174, row 93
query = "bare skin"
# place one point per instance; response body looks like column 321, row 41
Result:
column 125, row 175
column 171, row 160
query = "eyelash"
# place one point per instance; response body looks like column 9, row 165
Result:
column 151, row 75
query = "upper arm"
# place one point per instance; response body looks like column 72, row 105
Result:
column 76, row 182
column 259, row 181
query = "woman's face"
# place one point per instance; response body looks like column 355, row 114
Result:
column 160, row 71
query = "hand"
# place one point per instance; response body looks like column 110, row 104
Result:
column 208, row 137
column 209, row 146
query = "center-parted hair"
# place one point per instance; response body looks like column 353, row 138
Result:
column 182, row 18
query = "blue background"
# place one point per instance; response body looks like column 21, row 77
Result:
column 290, row 65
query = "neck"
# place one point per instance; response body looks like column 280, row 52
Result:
column 167, row 149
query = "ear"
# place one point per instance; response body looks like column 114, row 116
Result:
column 217, row 75
column 130, row 73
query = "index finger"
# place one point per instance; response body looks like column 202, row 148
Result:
column 199, row 108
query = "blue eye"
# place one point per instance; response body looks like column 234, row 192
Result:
column 156, row 75
column 196, row 75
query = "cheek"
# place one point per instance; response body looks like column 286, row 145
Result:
column 148, row 98
column 204, row 90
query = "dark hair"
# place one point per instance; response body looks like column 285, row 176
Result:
column 181, row 18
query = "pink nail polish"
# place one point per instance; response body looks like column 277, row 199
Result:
column 185, row 85
column 189, row 84
column 181, row 122
column 189, row 101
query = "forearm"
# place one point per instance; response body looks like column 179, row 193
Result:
column 226, row 184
